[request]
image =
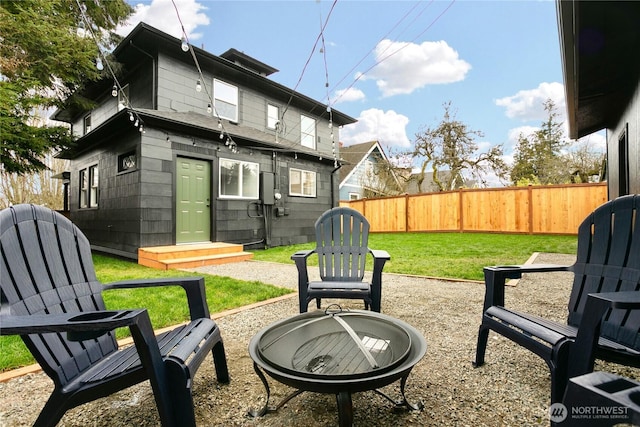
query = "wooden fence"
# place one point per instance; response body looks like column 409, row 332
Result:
column 557, row 209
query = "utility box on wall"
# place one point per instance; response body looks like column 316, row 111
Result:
column 267, row 192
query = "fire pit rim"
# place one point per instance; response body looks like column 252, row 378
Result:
column 332, row 385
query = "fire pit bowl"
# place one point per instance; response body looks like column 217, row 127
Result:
column 338, row 352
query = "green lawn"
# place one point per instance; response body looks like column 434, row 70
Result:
column 167, row 305
column 450, row 255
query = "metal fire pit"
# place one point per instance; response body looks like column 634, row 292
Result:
column 338, row 352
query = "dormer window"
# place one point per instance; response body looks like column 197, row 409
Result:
column 225, row 100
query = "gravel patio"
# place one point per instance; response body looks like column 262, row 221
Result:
column 511, row 389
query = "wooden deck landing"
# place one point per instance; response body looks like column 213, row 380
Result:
column 191, row 255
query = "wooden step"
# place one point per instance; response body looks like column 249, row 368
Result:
column 192, row 255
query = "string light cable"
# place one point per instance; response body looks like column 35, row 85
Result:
column 404, row 45
column 101, row 61
column 201, row 83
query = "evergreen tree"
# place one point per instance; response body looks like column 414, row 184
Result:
column 44, row 58
column 538, row 158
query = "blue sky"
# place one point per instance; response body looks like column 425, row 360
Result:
column 393, row 64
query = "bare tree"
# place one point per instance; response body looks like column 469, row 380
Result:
column 39, row 187
column 450, row 147
column 380, row 178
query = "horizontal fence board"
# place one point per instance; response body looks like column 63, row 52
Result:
column 556, row 209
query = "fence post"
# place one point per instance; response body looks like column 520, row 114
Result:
column 530, row 196
column 460, row 210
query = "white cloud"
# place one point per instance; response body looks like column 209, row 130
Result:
column 387, row 127
column 529, row 104
column 405, row 67
column 162, row 15
column 348, row 95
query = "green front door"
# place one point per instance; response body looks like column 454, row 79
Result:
column 193, row 210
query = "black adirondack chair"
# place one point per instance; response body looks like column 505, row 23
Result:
column 342, row 238
column 53, row 300
column 607, row 267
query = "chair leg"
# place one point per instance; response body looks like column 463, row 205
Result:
column 220, row 363
column 180, row 382
column 318, row 303
column 53, row 410
column 483, row 337
column 559, row 368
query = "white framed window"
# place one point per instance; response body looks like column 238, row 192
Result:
column 238, row 179
column 225, row 100
column 307, row 131
column 354, row 196
column 89, row 187
column 87, row 123
column 302, row 183
column 273, row 116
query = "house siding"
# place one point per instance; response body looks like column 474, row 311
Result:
column 630, row 120
column 137, row 208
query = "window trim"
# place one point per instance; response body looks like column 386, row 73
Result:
column 270, row 118
column 303, row 172
column 255, row 196
column 234, row 102
column 304, row 134
column 86, row 128
column 89, row 184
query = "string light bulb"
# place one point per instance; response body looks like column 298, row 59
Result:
column 114, row 91
column 99, row 64
column 209, row 109
column 198, row 86
column 131, row 118
column 80, row 31
column 184, row 45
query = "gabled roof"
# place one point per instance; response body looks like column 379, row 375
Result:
column 145, row 40
column 599, row 43
column 354, row 156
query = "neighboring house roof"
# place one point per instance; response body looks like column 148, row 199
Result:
column 599, row 42
column 353, row 157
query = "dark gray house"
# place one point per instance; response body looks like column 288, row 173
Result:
column 600, row 45
column 170, row 155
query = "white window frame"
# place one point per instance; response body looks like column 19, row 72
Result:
column 225, row 100
column 86, row 124
column 307, row 131
column 304, row 179
column 273, row 116
column 245, row 188
column 89, row 184
column 354, row 196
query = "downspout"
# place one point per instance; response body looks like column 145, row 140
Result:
column 154, row 79
column 335, row 202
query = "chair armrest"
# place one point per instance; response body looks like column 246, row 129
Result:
column 79, row 326
column 302, row 254
column 582, row 353
column 300, row 259
column 380, row 254
column 193, row 286
column 496, row 276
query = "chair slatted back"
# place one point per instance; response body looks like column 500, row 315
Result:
column 608, row 260
column 46, row 268
column 342, row 239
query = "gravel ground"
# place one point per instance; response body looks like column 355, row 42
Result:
column 511, row 389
